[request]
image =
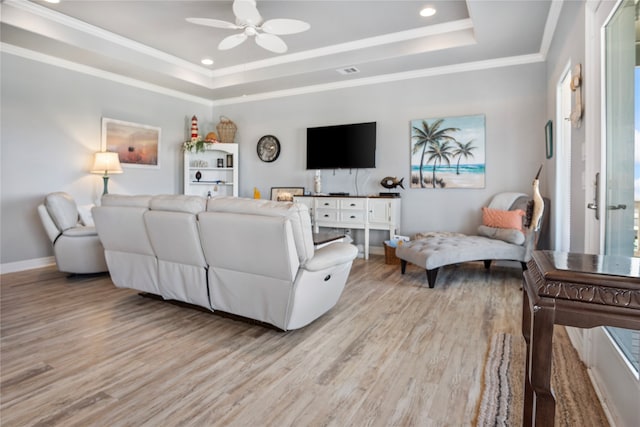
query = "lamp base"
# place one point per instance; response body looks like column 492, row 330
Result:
column 105, row 179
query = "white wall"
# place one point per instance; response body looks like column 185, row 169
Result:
column 568, row 47
column 51, row 126
column 512, row 99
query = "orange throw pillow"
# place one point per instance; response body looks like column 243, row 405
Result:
column 502, row 219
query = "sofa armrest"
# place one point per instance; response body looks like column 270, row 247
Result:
column 331, row 255
column 80, row 231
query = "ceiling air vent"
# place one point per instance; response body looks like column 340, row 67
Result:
column 348, row 70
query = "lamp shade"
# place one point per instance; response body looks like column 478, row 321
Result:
column 106, row 163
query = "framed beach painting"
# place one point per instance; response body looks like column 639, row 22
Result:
column 137, row 145
column 448, row 152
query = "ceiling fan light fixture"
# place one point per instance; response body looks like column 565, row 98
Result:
column 428, row 11
column 248, row 20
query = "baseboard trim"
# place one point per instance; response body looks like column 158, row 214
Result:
column 30, row 264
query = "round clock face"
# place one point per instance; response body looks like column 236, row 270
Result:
column 268, row 148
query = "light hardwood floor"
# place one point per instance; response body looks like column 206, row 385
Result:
column 76, row 351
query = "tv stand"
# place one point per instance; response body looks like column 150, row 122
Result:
column 363, row 213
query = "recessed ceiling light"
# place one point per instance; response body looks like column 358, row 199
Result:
column 207, row 61
column 52, row 1
column 428, row 11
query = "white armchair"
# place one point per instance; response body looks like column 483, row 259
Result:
column 76, row 247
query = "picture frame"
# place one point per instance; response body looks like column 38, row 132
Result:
column 448, row 152
column 137, row 145
column 286, row 194
column 229, row 160
column 548, row 137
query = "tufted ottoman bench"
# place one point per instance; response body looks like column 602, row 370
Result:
column 435, row 250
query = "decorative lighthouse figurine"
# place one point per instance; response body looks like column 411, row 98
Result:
column 194, row 129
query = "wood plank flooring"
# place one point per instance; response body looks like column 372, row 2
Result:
column 76, row 351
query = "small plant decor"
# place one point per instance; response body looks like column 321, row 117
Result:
column 194, row 146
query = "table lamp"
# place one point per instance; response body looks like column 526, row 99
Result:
column 106, row 163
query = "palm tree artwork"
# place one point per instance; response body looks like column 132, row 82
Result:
column 436, row 143
column 462, row 150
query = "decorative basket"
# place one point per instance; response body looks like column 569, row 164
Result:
column 390, row 257
column 226, row 130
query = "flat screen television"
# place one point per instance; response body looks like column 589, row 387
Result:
column 350, row 146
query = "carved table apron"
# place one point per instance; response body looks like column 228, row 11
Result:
column 574, row 290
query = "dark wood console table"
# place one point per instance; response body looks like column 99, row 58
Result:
column 574, row 290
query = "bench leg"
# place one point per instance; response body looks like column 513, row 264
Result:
column 431, row 277
column 403, row 266
column 487, row 264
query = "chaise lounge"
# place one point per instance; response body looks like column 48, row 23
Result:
column 494, row 242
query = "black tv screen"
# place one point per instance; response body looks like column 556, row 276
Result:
column 351, row 146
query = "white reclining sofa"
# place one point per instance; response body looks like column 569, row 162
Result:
column 251, row 258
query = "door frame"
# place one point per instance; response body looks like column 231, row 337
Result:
column 608, row 369
column 562, row 210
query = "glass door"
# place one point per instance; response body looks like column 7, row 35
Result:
column 622, row 153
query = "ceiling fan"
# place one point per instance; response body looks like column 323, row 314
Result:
column 248, row 20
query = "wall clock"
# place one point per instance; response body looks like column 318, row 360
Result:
column 268, row 148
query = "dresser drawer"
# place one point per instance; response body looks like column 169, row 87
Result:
column 327, row 203
column 326, row 215
column 352, row 216
column 353, row 204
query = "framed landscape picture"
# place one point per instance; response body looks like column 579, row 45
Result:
column 137, row 145
column 286, row 194
column 448, row 152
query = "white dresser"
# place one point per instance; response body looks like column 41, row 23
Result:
column 365, row 213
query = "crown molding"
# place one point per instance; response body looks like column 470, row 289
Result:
column 387, row 78
column 95, row 72
column 83, row 27
column 422, row 32
column 550, row 26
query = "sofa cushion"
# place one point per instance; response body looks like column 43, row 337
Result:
column 62, row 209
column 125, row 201
column 297, row 213
column 178, row 203
column 502, row 219
column 509, row 235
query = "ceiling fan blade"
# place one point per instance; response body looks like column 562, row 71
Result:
column 232, row 41
column 284, row 26
column 271, row 42
column 213, row 23
column 246, row 12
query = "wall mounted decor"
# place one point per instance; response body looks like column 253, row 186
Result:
column 548, row 137
column 268, row 148
column 137, row 145
column 576, row 84
column 448, row 152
